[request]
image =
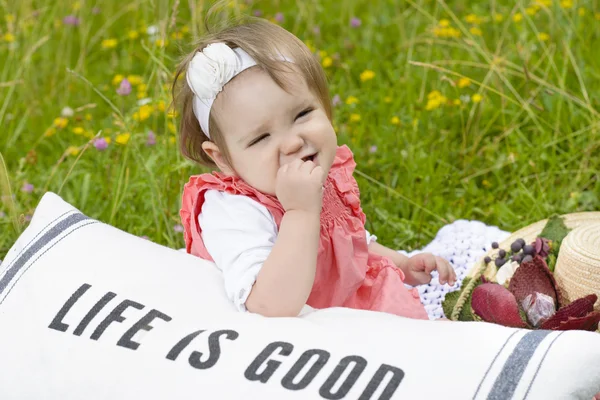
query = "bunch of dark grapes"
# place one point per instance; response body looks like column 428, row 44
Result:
column 519, row 252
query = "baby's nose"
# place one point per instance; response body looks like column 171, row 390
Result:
column 292, row 145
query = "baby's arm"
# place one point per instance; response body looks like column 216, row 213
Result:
column 399, row 259
column 266, row 270
column 286, row 277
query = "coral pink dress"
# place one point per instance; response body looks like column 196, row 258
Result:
column 347, row 274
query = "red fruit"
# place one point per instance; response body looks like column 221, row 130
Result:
column 578, row 309
column 533, row 276
column 493, row 303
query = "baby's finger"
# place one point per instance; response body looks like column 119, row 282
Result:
column 443, row 270
column 429, row 262
column 307, row 167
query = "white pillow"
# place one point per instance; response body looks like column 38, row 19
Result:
column 88, row 311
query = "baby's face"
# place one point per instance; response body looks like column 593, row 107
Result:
column 265, row 127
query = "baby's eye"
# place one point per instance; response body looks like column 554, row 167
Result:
column 258, row 139
column 304, row 112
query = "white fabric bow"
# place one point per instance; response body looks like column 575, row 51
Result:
column 209, row 71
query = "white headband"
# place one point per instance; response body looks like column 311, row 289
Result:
column 209, row 71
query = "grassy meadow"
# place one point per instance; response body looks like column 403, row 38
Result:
column 453, row 109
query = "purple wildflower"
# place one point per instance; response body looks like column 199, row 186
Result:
column 258, row 13
column 2, row 214
column 151, row 139
column 279, row 17
column 100, row 144
column 178, row 228
column 27, row 188
column 316, row 30
column 373, row 149
column 336, row 100
column 27, row 217
column 71, row 20
column 355, row 22
column 124, row 88
column 96, row 10
column 145, row 237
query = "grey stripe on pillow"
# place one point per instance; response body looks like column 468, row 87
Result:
column 58, row 228
column 507, row 381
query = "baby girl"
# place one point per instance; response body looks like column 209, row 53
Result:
column 281, row 218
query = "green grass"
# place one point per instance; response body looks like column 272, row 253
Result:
column 527, row 150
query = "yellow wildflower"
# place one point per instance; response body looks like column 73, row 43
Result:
column 566, row 3
column 448, row 32
column 581, row 11
column 109, row 43
column 171, row 127
column 543, row 36
column 531, row 10
column 88, row 117
column 444, row 23
column 88, row 134
column 142, row 87
column 597, row 16
column 50, row 131
column 457, row 102
column 395, row 120
column 161, row 106
column 473, row 19
column 486, row 183
column 498, row 17
column 133, row 34
column 141, row 95
column 177, row 35
column 60, row 122
column 135, row 80
column 351, row 100
column 143, row 113
column 327, row 62
column 117, row 79
column 172, row 140
column 76, row 6
column 322, row 53
column 387, row 99
column 518, row 17
column 107, row 140
column 434, row 100
column 123, row 138
column 475, row 31
column 185, row 29
column 172, row 113
column 367, row 75
column 78, row 130
column 545, row 3
column 9, row 18
column 476, row 98
column 463, row 82
column 162, row 42
column 354, row 117
column 72, row 150
column 415, row 122
column 9, row 37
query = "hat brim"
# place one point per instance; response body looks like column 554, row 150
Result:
column 529, row 233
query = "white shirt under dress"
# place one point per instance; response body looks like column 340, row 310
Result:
column 238, row 233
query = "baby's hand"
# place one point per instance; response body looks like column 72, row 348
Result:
column 299, row 186
column 419, row 267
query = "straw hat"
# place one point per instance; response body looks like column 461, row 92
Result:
column 577, row 270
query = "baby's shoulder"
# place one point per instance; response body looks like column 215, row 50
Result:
column 219, row 206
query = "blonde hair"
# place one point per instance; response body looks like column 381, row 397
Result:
column 265, row 42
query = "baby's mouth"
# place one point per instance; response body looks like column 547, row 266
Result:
column 311, row 157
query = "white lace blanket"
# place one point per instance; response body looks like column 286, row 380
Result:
column 462, row 243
